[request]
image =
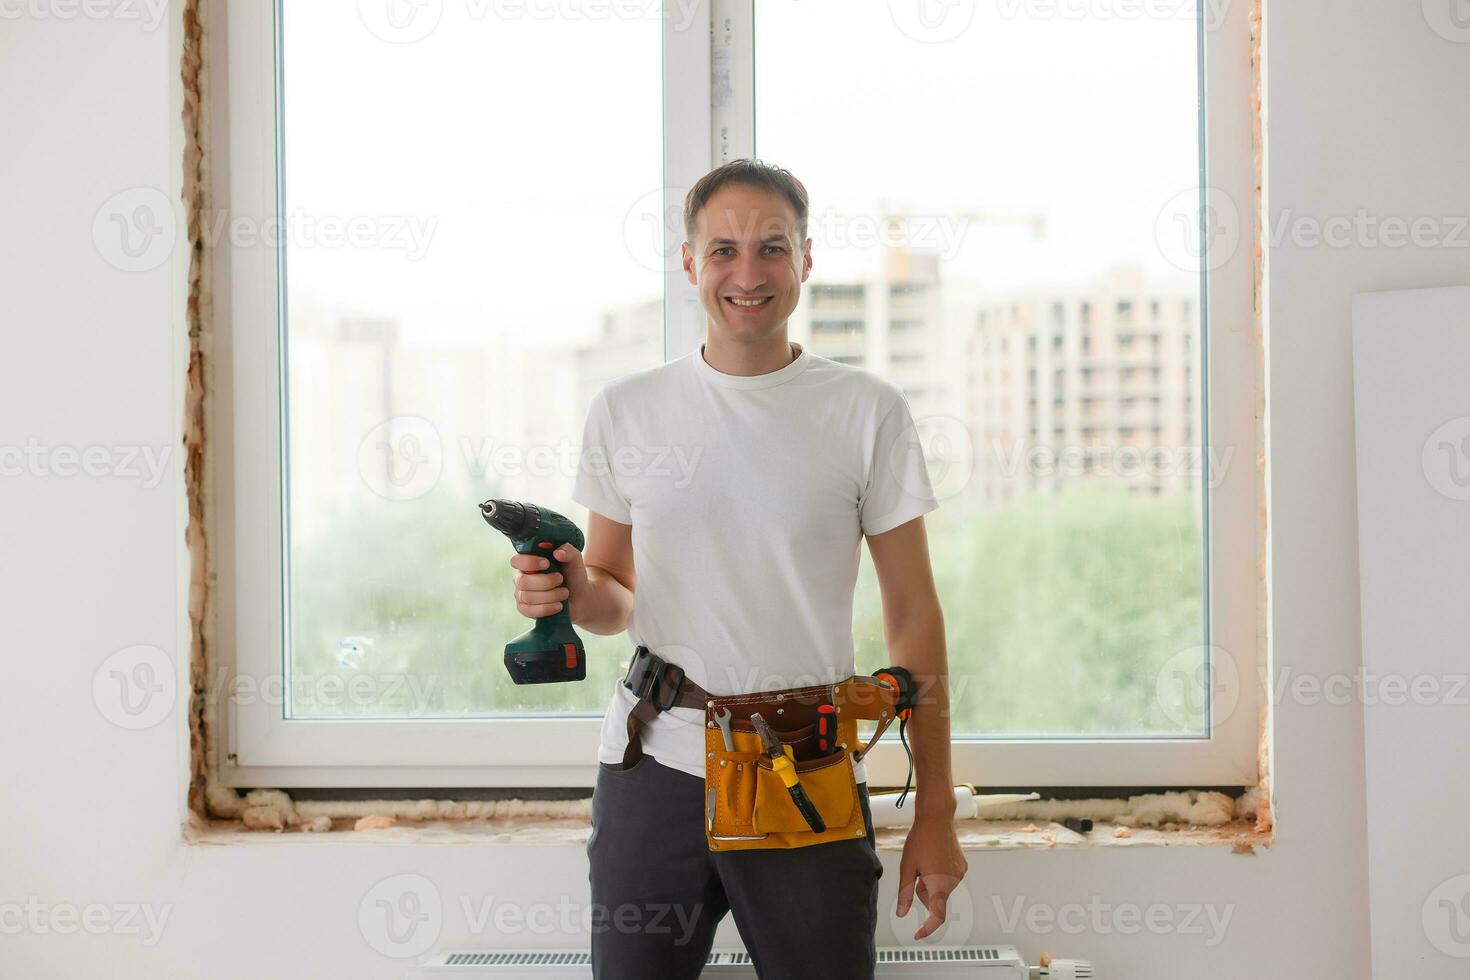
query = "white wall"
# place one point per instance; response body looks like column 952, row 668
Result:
column 1365, row 112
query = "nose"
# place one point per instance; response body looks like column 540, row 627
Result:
column 747, row 274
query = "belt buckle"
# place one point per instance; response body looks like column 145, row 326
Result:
column 646, row 682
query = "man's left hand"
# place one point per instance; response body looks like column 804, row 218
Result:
column 933, row 866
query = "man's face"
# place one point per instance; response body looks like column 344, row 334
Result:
column 745, row 248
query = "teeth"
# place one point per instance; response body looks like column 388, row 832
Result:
column 749, row 302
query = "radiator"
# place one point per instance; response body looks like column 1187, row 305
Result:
column 898, row 963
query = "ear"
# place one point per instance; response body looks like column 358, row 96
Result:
column 688, row 263
column 806, row 259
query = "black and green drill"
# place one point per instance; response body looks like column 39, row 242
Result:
column 550, row 651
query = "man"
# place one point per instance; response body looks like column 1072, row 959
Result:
column 743, row 558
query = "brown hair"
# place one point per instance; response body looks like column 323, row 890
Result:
column 751, row 173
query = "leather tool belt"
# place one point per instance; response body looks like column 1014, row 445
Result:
column 748, row 802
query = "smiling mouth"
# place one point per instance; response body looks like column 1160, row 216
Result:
column 751, row 303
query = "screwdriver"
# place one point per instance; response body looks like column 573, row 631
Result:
column 826, row 728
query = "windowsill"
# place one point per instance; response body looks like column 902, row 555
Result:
column 974, row 835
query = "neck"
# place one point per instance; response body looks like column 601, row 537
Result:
column 749, row 359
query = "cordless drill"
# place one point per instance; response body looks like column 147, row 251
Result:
column 550, row 651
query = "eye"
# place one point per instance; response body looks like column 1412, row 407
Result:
column 777, row 248
column 722, row 248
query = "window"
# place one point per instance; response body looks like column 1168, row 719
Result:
column 1094, row 628
column 381, row 361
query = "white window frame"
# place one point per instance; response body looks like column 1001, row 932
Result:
column 261, row 748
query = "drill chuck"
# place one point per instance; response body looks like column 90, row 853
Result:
column 515, row 520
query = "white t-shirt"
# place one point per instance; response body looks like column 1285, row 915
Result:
column 748, row 498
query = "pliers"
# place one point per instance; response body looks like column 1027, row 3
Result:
column 783, row 765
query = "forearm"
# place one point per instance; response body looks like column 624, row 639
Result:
column 606, row 606
column 917, row 644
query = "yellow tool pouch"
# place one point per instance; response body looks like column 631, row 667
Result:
column 747, row 803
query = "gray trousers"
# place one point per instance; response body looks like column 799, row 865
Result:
column 658, row 891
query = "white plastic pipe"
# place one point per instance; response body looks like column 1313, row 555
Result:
column 967, row 805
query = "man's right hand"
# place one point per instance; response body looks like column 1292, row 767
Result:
column 540, row 594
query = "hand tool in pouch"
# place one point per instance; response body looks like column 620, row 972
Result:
column 783, row 766
column 550, row 651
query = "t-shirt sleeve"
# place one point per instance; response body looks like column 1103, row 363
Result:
column 595, row 486
column 898, row 487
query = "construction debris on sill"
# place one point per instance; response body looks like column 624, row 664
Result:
column 1163, row 819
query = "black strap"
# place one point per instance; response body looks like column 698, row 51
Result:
column 659, row 685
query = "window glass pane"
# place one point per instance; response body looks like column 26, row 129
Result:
column 995, row 202
column 458, row 181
